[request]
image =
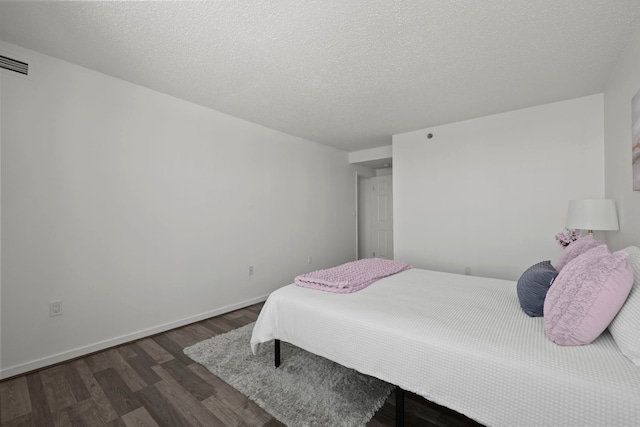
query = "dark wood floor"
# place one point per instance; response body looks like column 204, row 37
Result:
column 150, row 382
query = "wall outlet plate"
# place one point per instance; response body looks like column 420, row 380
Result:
column 55, row 308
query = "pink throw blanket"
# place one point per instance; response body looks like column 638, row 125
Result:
column 352, row 276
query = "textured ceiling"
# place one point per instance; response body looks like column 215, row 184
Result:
column 346, row 73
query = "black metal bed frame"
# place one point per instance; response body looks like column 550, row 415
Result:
column 399, row 391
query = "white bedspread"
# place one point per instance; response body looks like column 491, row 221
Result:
column 462, row 342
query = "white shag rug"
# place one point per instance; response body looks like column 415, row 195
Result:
column 305, row 391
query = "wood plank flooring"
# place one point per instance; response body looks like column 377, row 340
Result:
column 150, row 382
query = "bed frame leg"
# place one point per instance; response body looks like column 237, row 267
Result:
column 399, row 407
column 277, row 353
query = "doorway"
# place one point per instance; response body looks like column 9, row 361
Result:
column 375, row 217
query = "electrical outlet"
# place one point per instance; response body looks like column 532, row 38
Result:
column 309, row 260
column 251, row 270
column 467, row 270
column 55, row 308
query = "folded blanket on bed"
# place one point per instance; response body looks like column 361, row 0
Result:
column 352, row 276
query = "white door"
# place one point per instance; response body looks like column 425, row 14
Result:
column 382, row 224
column 365, row 217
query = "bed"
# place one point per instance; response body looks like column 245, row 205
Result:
column 462, row 342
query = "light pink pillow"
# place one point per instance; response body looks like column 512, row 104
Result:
column 580, row 246
column 586, row 296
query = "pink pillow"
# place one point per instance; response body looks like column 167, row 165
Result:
column 580, row 246
column 586, row 296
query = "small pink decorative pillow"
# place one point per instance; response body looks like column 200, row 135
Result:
column 586, row 296
column 580, row 246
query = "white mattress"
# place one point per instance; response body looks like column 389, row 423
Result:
column 462, row 342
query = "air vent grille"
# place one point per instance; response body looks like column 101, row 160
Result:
column 14, row 65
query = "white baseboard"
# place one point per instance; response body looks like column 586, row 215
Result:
column 91, row 348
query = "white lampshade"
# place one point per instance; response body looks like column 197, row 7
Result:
column 592, row 215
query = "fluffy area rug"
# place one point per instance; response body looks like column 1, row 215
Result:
column 306, row 390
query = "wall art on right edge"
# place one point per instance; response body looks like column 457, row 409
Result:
column 635, row 140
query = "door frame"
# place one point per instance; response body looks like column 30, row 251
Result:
column 366, row 210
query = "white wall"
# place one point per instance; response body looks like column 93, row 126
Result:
column 143, row 212
column 370, row 154
column 491, row 193
column 622, row 86
column 0, row 225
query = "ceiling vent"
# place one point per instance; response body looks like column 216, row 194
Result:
column 14, row 65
